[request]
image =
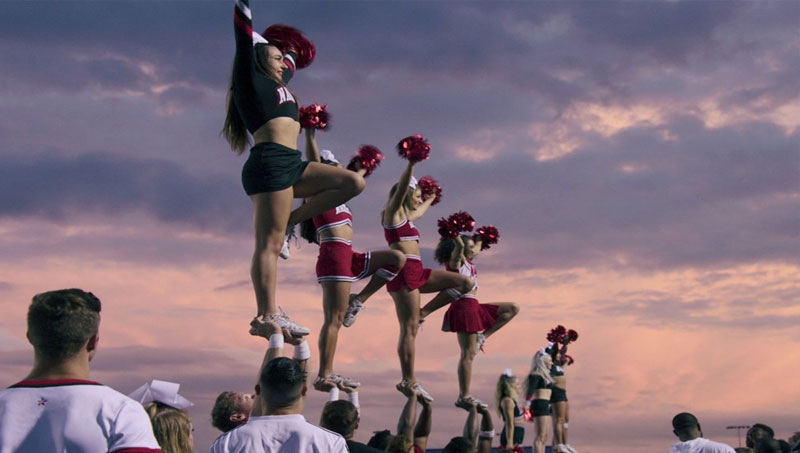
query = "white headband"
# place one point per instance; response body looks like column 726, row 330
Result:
column 413, row 183
column 161, row 391
column 508, row 372
column 328, row 155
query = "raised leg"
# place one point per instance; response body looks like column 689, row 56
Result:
column 506, row 312
column 389, row 260
column 325, row 187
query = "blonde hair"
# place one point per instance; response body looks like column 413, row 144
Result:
column 172, row 428
column 540, row 368
column 505, row 389
column 399, row 444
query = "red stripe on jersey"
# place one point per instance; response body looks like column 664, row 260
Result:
column 243, row 24
column 53, row 383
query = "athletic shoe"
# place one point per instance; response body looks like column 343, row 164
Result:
column 467, row 402
column 353, row 307
column 285, row 252
column 323, row 384
column 481, row 341
column 570, row 449
column 284, row 322
column 421, row 392
column 561, row 448
column 341, row 380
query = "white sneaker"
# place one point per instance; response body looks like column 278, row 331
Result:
column 339, row 379
column 284, row 322
column 561, row 448
column 285, row 253
column 353, row 307
column 481, row 341
column 569, row 448
column 422, row 392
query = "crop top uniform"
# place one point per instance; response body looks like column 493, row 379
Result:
column 559, row 394
column 539, row 407
column 519, row 430
column 258, row 99
column 413, row 274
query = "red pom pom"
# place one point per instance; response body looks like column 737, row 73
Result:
column 572, row 335
column 315, row 116
column 455, row 224
column 557, row 334
column 446, row 230
column 367, row 157
column 414, row 148
column 489, row 236
column 430, row 186
column 287, row 38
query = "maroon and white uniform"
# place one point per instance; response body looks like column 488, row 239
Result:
column 465, row 313
column 337, row 261
column 72, row 415
column 413, row 274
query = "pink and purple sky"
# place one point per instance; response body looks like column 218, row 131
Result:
column 641, row 161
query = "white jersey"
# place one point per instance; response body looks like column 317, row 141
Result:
column 72, row 416
column 279, row 433
column 700, row 445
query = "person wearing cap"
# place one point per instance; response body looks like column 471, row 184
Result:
column 56, row 408
column 404, row 206
column 687, row 428
column 167, row 411
column 338, row 265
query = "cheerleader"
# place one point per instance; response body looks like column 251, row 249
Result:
column 404, row 206
column 507, row 396
column 539, row 386
column 337, row 267
column 558, row 399
column 472, row 322
column 260, row 103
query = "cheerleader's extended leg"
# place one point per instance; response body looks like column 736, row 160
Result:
column 506, row 312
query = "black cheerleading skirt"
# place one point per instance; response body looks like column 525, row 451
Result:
column 519, row 435
column 558, row 395
column 271, row 167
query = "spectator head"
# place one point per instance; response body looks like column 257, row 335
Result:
column 686, row 426
column 458, row 444
column 768, row 445
column 62, row 323
column 380, row 439
column 231, row 410
column 340, row 417
column 172, row 428
column 757, row 432
column 400, row 444
column 282, row 383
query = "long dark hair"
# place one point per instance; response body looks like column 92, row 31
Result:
column 445, row 248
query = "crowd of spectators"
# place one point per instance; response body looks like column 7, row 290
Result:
column 57, row 408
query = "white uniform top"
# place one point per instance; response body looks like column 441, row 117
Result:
column 700, row 445
column 72, row 416
column 279, row 433
column 469, row 270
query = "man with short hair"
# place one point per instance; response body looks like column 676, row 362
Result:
column 757, row 432
column 230, row 410
column 687, row 428
column 276, row 423
column 341, row 416
column 56, row 407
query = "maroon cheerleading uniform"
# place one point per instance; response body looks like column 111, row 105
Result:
column 465, row 313
column 413, row 274
column 337, row 261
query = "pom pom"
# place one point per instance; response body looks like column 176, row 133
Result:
column 557, row 334
column 430, row 186
column 315, row 116
column 287, row 38
column 489, row 236
column 414, row 148
column 572, row 335
column 457, row 223
column 367, row 157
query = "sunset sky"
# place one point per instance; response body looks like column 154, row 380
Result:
column 640, row 159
